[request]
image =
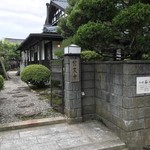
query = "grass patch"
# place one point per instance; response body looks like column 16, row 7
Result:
column 57, row 101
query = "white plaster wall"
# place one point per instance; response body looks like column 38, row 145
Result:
column 32, row 56
column 42, row 51
column 29, row 55
column 38, row 52
column 22, row 62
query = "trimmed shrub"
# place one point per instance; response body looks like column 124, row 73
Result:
column 1, row 81
column 59, row 53
column 88, row 55
column 36, row 75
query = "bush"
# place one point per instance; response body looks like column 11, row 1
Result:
column 59, row 53
column 1, row 81
column 88, row 55
column 35, row 74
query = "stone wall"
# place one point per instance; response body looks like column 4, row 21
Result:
column 117, row 103
column 72, row 92
column 88, row 90
column 107, row 91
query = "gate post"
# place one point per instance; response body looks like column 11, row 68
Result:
column 72, row 84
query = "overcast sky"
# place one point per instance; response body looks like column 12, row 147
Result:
column 19, row 18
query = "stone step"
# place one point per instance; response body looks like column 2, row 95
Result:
column 108, row 145
column 31, row 123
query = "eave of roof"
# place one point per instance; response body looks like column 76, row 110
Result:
column 54, row 5
column 34, row 38
column 61, row 4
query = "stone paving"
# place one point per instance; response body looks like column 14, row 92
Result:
column 18, row 102
column 91, row 135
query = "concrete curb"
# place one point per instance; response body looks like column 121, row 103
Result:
column 31, row 123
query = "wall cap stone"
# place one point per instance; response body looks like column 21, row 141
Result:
column 124, row 62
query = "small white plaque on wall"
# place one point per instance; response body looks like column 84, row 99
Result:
column 142, row 85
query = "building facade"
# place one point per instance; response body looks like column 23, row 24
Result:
column 39, row 48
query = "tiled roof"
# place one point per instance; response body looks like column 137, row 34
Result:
column 50, row 29
column 12, row 40
column 61, row 3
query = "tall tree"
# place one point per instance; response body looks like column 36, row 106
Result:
column 8, row 52
column 109, row 25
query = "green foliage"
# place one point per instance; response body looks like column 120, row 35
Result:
column 95, row 10
column 88, row 55
column 1, row 82
column 9, row 52
column 134, row 23
column 94, row 36
column 35, row 74
column 91, row 10
column 59, row 53
column 55, row 83
column 133, row 17
column 109, row 25
column 65, row 28
column 131, row 2
column 68, row 41
column 71, row 4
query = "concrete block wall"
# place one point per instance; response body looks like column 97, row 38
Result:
column 88, row 90
column 107, row 91
column 72, row 93
column 117, row 103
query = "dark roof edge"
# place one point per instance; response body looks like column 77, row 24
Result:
column 39, row 35
column 58, row 6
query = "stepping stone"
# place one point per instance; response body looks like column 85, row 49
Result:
column 20, row 95
column 27, row 114
column 13, row 92
column 22, row 100
column 17, row 90
column 25, row 105
column 21, row 87
column 42, row 93
column 2, row 98
column 1, row 114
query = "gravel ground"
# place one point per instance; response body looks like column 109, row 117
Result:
column 18, row 102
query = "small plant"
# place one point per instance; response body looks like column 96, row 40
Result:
column 1, row 81
column 59, row 53
column 36, row 75
column 88, row 55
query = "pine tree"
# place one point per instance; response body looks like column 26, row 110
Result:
column 106, row 26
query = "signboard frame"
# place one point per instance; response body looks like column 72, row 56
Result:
column 143, row 85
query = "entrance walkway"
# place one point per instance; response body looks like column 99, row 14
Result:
column 18, row 102
column 84, row 136
column 16, row 99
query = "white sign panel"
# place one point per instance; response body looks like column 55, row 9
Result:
column 142, row 85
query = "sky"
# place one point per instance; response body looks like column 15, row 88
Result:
column 19, row 18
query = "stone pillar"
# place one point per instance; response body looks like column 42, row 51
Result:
column 72, row 91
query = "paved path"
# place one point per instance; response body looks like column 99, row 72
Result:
column 18, row 102
column 90, row 135
column 84, row 136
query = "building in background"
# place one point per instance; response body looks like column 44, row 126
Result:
column 13, row 40
column 39, row 48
